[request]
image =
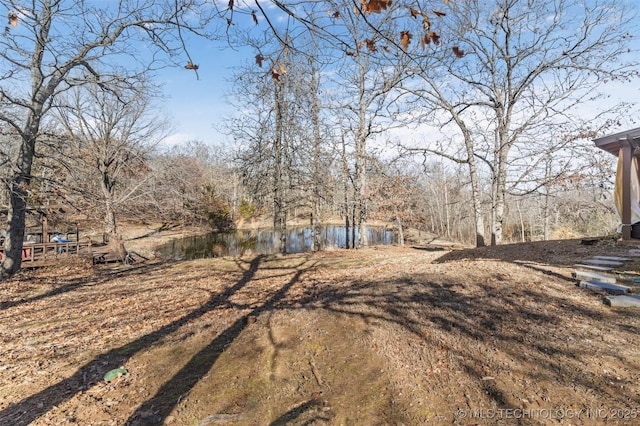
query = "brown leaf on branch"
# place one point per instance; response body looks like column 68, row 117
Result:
column 426, row 24
column 334, row 15
column 459, row 52
column 435, row 37
column 405, row 39
column 254, row 16
column 275, row 75
column 13, row 19
column 414, row 12
column 438, row 13
column 425, row 40
column 191, row 66
column 283, row 70
column 371, row 45
column 351, row 53
column 375, row 6
column 259, row 59
column 386, row 49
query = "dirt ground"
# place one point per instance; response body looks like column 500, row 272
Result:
column 381, row 336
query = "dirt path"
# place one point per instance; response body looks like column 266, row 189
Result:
column 378, row 336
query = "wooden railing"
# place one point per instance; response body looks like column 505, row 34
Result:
column 51, row 251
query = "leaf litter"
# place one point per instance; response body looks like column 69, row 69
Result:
column 379, row 336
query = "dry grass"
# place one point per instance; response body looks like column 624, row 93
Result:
column 378, row 336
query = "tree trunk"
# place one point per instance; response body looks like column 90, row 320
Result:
column 361, row 182
column 522, row 230
column 354, row 240
column 475, row 187
column 279, row 208
column 345, row 173
column 545, row 216
column 400, row 231
column 17, row 214
column 317, row 157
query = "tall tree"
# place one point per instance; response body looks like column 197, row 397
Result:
column 364, row 88
column 509, row 73
column 52, row 45
column 112, row 135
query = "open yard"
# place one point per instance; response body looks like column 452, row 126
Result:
column 367, row 337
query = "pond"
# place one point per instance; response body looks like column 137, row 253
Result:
column 260, row 241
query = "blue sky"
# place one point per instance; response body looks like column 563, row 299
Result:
column 195, row 107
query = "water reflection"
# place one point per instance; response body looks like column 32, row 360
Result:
column 260, row 241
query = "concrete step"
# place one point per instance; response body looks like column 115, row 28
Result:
column 626, row 301
column 604, row 287
column 599, row 262
column 614, row 258
column 593, row 267
column 594, row 276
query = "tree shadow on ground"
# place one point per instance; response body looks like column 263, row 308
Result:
column 34, row 406
column 158, row 407
column 524, row 325
column 300, row 410
column 65, row 285
column 552, row 252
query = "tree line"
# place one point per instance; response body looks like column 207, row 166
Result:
column 477, row 112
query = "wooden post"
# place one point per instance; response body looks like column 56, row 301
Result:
column 627, row 157
column 45, row 228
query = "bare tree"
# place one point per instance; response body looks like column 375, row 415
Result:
column 511, row 73
column 364, row 88
column 59, row 44
column 112, row 135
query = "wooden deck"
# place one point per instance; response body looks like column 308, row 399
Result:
column 45, row 254
column 39, row 254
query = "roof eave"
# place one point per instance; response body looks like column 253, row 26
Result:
column 612, row 143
